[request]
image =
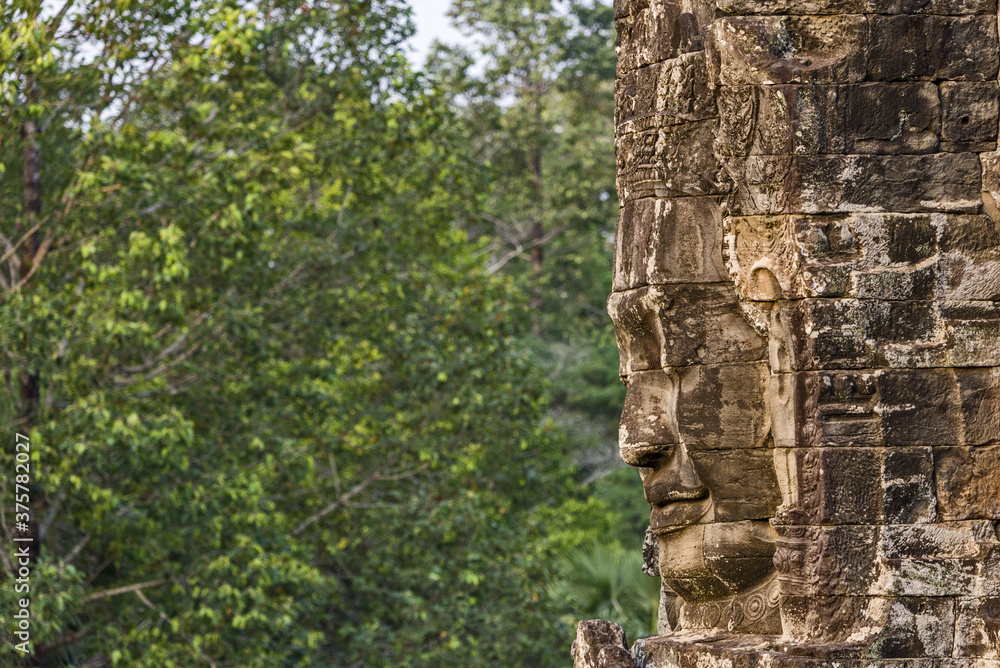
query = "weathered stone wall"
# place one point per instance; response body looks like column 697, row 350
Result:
column 807, row 301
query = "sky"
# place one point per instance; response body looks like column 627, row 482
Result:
column 431, row 22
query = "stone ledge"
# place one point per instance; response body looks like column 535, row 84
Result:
column 707, row 649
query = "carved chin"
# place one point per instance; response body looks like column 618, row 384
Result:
column 708, row 561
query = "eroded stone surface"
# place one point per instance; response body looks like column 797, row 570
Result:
column 600, row 644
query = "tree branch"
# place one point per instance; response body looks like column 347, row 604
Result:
column 354, row 491
column 76, row 549
column 12, row 248
column 351, row 493
column 163, row 617
column 520, row 250
column 108, row 593
column 35, row 262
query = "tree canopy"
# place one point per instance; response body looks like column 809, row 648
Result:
column 282, row 409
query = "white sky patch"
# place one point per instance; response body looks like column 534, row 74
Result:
column 432, row 24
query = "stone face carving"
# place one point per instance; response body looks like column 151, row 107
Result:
column 807, row 304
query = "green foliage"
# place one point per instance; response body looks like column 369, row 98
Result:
column 535, row 94
column 280, row 412
column 605, row 581
column 621, row 491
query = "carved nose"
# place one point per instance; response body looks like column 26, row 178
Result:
column 673, row 479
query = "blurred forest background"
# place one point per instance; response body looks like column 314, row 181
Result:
column 309, row 339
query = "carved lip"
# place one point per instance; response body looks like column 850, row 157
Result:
column 675, row 516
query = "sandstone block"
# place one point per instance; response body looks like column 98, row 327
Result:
column 867, row 256
column 909, row 495
column 706, row 622
column 763, row 257
column 636, row 317
column 939, row 577
column 697, row 589
column 658, row 31
column 723, row 407
column 977, row 628
column 788, row 49
column 972, row 333
column 942, row 7
column 726, row 473
column 668, row 241
column 938, row 542
column 885, row 183
column 808, row 559
column 715, row 648
column 877, row 241
column 786, row 119
column 855, row 333
column 896, row 284
column 971, row 277
column 920, row 407
column 862, row 183
column 892, row 117
column 968, row 482
column 892, row 407
column 971, row 114
column 916, row 627
column 662, row 94
column 970, row 234
column 689, row 324
column 826, row 408
column 932, row 47
column 979, row 390
column 816, row 622
column 600, row 644
column 926, row 560
column 649, row 417
column 911, row 239
column 674, row 161
column 808, row 7
column 835, row 485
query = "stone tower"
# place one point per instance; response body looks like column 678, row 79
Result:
column 807, row 302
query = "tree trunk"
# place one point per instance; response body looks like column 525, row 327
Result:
column 537, row 233
column 32, row 183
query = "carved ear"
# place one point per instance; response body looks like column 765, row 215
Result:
column 778, row 345
column 990, row 207
column 991, row 185
column 764, row 285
